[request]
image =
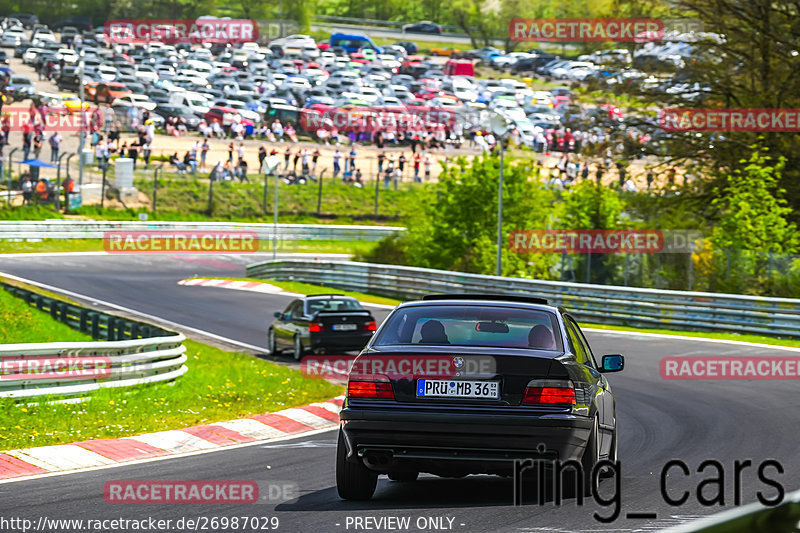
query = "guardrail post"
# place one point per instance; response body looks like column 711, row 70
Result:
column 84, row 316
column 95, row 325
column 588, row 267
column 110, row 328
column 64, row 312
column 54, row 308
column 134, row 331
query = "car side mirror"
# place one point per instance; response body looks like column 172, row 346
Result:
column 278, row 314
column 613, row 363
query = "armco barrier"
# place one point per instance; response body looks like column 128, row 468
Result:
column 591, row 303
column 96, row 229
column 136, row 353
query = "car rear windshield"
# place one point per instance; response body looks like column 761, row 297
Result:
column 465, row 325
column 334, row 305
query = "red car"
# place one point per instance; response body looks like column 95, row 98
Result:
column 226, row 115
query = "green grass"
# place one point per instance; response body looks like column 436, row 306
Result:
column 219, row 385
column 244, row 201
column 21, row 323
column 96, row 245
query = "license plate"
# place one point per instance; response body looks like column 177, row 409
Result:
column 444, row 388
column 344, row 327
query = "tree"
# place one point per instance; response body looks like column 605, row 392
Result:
column 752, row 208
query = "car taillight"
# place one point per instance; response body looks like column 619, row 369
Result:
column 370, row 326
column 315, row 327
column 370, row 389
column 549, row 392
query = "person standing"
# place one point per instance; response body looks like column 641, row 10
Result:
column 147, row 149
column 287, row 154
column 585, row 171
column 27, row 190
column 389, row 174
column 314, row 159
column 381, row 159
column 243, row 171
column 417, row 161
column 304, row 160
column 428, row 163
column 27, row 139
column 401, row 164
column 296, row 159
column 230, row 152
column 337, row 155
column 353, row 156
column 204, row 148
column 240, row 150
column 55, row 145
column 262, row 155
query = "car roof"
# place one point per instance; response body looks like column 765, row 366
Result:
column 486, row 300
column 328, row 297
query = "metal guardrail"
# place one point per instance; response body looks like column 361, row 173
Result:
column 96, row 229
column 752, row 518
column 134, row 353
column 606, row 304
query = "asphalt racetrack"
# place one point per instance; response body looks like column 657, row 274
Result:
column 659, row 420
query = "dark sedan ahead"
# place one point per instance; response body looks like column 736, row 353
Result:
column 467, row 385
column 324, row 323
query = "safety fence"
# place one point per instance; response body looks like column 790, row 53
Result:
column 81, row 229
column 133, row 353
column 606, row 304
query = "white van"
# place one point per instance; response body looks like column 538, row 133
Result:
column 197, row 102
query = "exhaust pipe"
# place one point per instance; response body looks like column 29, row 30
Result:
column 378, row 460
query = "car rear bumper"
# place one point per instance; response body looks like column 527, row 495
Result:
column 341, row 341
column 486, row 441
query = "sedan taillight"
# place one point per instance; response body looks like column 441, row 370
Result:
column 370, row 326
column 370, row 389
column 316, row 327
column 549, row 392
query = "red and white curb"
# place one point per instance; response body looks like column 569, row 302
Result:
column 253, row 286
column 15, row 464
column 256, row 286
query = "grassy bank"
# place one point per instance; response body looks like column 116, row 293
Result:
column 245, row 201
column 219, row 385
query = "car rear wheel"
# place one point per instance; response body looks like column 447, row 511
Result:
column 298, row 348
column 591, row 456
column 612, row 455
column 354, row 481
column 403, row 476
